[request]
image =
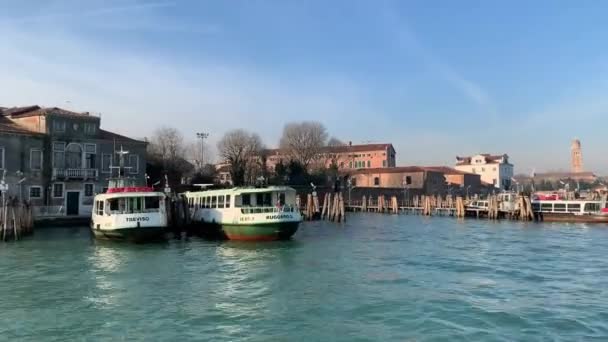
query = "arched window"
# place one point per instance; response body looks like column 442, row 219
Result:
column 73, row 156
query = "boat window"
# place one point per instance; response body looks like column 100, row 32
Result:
column 122, row 205
column 561, row 207
column 282, row 198
column 268, row 199
column 259, row 200
column 113, row 204
column 152, row 203
column 99, row 207
column 220, row 201
column 207, row 202
column 592, row 207
column 246, row 199
column 227, row 201
column 535, row 206
column 135, row 205
column 546, row 207
column 214, row 202
column 574, row 208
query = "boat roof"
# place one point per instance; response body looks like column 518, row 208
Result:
column 129, row 194
column 240, row 190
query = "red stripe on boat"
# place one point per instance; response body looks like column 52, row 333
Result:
column 131, row 189
column 252, row 238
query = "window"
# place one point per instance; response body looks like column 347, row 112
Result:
column 220, row 202
column 73, row 156
column 350, row 165
column 106, row 161
column 35, row 159
column 35, row 192
column 90, row 150
column 227, row 201
column 58, row 126
column 369, row 164
column 89, row 190
column 384, row 163
column 135, row 205
column 59, row 155
column 494, row 169
column 213, row 201
column 89, row 128
column 574, row 208
column 592, row 207
column 561, row 207
column 246, row 199
column 546, row 207
column 99, row 207
column 376, row 181
column 134, row 163
column 151, row 203
column 58, row 190
column 1, row 158
column 483, row 169
column 408, row 180
column 353, row 181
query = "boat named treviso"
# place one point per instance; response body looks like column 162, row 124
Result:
column 129, row 212
column 253, row 214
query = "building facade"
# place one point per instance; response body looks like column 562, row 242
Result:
column 466, row 182
column 65, row 158
column 344, row 157
column 493, row 169
column 416, row 178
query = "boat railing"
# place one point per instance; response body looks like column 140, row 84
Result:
column 265, row 210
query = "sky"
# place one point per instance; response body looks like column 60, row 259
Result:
column 438, row 79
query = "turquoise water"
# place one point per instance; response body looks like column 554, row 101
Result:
column 376, row 278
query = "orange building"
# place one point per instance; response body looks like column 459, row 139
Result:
column 345, row 157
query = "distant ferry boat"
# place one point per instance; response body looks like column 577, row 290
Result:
column 128, row 212
column 250, row 214
column 558, row 210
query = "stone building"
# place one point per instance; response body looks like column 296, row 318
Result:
column 64, row 158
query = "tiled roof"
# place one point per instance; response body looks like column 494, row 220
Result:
column 399, row 169
column 37, row 110
column 107, row 135
column 490, row 159
column 447, row 170
column 7, row 126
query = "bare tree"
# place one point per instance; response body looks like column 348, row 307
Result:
column 304, row 141
column 167, row 145
column 194, row 155
column 241, row 150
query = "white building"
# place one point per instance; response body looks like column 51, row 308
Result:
column 493, row 169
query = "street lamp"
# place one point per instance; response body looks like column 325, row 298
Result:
column 202, row 136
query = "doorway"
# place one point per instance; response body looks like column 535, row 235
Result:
column 73, row 203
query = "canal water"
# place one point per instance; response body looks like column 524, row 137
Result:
column 375, row 278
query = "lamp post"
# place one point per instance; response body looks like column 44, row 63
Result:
column 202, row 136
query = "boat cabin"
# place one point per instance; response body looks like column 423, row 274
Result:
column 129, row 203
column 249, row 200
column 575, row 207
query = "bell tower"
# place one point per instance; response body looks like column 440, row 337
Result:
column 577, row 156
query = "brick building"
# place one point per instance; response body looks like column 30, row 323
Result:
column 62, row 157
column 345, row 157
column 418, row 179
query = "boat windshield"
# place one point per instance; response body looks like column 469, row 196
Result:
column 133, row 205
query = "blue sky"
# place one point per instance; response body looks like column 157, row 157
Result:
column 435, row 78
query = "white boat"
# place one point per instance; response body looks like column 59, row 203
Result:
column 252, row 214
column 560, row 210
column 129, row 212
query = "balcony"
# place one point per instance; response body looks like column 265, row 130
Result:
column 75, row 174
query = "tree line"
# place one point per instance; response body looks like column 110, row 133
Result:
column 245, row 153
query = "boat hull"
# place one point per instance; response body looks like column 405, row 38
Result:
column 570, row 218
column 270, row 231
column 136, row 234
